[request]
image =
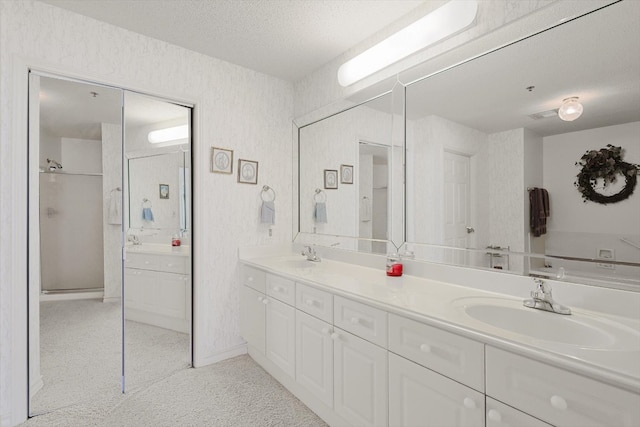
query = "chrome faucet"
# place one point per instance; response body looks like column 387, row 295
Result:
column 541, row 299
column 310, row 253
column 134, row 238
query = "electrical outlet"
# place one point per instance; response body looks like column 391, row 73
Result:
column 607, row 266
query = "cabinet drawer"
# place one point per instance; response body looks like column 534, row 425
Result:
column 421, row 397
column 173, row 264
column 557, row 396
column 314, row 302
column 360, row 319
column 501, row 415
column 281, row 289
column 451, row 355
column 142, row 261
column 253, row 278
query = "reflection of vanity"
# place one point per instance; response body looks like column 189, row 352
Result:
column 158, row 290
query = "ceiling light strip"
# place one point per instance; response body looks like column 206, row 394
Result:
column 442, row 22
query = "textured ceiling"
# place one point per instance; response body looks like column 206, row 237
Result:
column 288, row 39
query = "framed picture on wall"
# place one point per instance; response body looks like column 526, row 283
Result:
column 330, row 179
column 164, row 191
column 221, row 160
column 346, row 174
column 247, row 171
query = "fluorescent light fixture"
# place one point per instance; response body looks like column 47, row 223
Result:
column 570, row 109
column 168, row 134
column 442, row 22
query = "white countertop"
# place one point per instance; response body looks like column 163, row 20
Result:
column 443, row 304
column 158, row 249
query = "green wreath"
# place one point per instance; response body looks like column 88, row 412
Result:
column 605, row 163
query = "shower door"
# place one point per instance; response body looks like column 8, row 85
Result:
column 71, row 233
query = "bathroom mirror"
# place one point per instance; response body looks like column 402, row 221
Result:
column 338, row 173
column 157, row 191
column 157, row 275
column 482, row 135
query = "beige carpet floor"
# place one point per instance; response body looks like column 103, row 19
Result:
column 80, row 357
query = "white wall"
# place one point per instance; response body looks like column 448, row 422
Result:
column 236, row 108
column 112, row 233
column 581, row 228
column 570, row 212
column 81, row 155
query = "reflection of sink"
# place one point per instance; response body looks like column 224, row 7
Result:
column 577, row 329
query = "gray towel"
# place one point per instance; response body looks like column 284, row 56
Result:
column 147, row 214
column 320, row 212
column 268, row 213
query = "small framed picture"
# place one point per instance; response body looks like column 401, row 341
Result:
column 330, row 179
column 164, row 191
column 346, row 174
column 221, row 160
column 247, row 171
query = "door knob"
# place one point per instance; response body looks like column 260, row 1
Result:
column 470, row 230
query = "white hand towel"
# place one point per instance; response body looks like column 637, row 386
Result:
column 320, row 212
column 268, row 213
column 365, row 209
column 115, row 208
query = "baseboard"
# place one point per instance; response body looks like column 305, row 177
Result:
column 71, row 296
column 218, row 356
column 111, row 299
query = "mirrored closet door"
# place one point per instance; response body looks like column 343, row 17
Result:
column 105, row 207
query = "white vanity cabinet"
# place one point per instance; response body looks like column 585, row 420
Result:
column 280, row 335
column 556, row 396
column 314, row 356
column 158, row 290
column 422, row 390
column 266, row 322
column 501, row 415
column 421, row 397
column 360, row 380
column 252, row 317
column 361, row 364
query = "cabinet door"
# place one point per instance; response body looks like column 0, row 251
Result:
column 501, row 415
column 281, row 335
column 421, row 397
column 252, row 317
column 360, row 380
column 314, row 356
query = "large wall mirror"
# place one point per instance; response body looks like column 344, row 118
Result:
column 101, row 323
column 484, row 137
column 350, row 175
column 481, row 139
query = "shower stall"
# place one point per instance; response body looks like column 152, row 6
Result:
column 71, row 232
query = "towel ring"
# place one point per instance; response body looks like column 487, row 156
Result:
column 146, row 203
column 319, row 196
column 265, row 191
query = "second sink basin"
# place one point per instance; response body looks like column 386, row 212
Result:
column 578, row 329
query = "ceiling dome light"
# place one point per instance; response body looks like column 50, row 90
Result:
column 570, row 109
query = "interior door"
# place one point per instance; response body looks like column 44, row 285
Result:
column 456, row 205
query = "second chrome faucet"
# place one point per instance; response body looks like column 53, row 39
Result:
column 542, row 299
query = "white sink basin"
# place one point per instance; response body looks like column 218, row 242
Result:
column 578, row 329
column 299, row 263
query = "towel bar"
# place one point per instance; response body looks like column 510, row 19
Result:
column 265, row 190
